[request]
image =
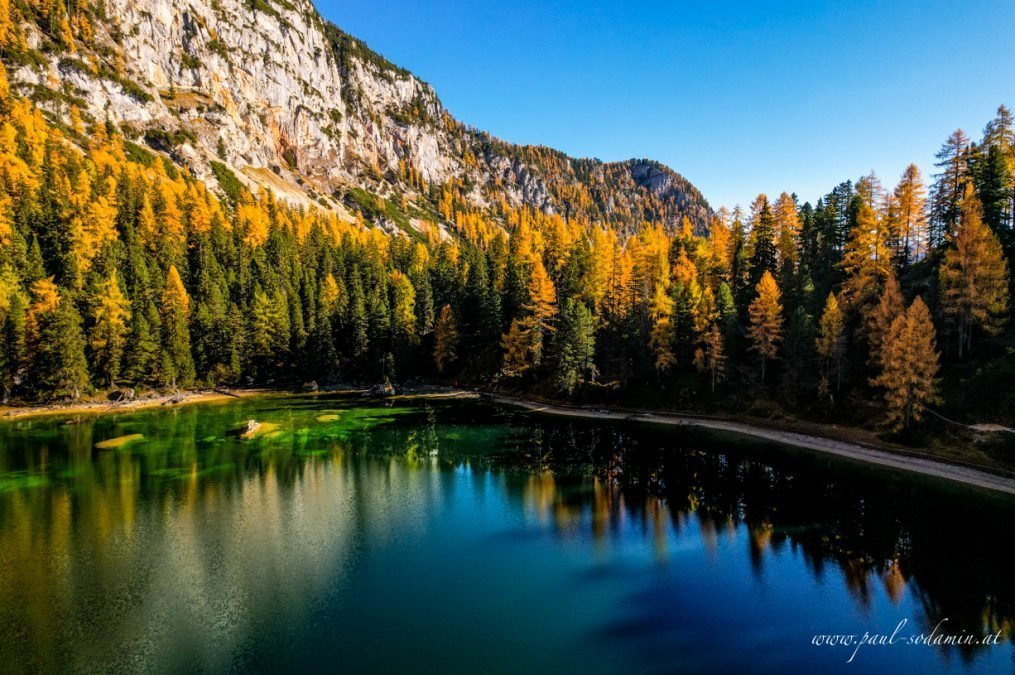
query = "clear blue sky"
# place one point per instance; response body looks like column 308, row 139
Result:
column 741, row 98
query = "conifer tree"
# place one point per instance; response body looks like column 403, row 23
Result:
column 711, row 356
column 177, row 366
column 661, row 312
column 575, row 347
column 909, row 366
column 143, row 353
column 890, row 305
column 973, row 278
column 12, row 340
column 108, row 335
column 909, row 217
column 541, row 308
column 765, row 330
column 764, row 252
column 831, row 343
column 56, row 345
column 867, row 260
column 445, row 339
column 948, row 187
column 516, row 347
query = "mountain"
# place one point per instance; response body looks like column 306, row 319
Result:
column 269, row 92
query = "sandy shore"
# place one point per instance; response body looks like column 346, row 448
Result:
column 855, row 451
column 100, row 407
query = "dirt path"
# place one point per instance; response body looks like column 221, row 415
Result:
column 887, row 458
column 103, row 406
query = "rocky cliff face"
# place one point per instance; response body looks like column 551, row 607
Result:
column 290, row 102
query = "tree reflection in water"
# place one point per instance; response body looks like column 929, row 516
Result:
column 191, row 526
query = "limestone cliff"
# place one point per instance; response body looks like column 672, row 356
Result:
column 288, row 101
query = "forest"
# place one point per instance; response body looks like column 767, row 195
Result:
column 119, row 268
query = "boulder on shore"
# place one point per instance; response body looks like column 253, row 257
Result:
column 122, row 395
column 382, row 390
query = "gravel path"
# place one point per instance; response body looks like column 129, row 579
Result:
column 887, row 458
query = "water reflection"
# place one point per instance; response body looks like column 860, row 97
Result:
column 188, row 548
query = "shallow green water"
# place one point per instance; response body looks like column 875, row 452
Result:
column 457, row 537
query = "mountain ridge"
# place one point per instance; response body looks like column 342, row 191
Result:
column 286, row 100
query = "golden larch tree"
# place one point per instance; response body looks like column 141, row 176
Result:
column 867, row 259
column 661, row 334
column 831, row 343
column 890, row 305
column 909, row 366
column 909, row 215
column 515, row 344
column 973, row 278
column 711, row 356
column 765, row 330
column 108, row 336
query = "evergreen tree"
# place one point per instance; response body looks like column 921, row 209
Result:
column 143, row 351
column 445, row 339
column 177, row 364
column 575, row 347
column 56, row 345
column 764, row 253
column 947, row 192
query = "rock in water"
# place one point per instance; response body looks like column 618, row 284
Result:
column 252, row 428
column 119, row 442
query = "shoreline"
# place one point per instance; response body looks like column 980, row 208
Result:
column 884, row 457
column 104, row 407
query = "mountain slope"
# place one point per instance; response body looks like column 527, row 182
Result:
column 288, row 101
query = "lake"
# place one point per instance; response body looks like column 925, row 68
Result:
column 456, row 536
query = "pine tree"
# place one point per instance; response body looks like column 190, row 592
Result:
column 948, row 187
column 764, row 253
column 143, row 351
column 765, row 330
column 445, row 339
column 909, row 366
column 177, row 367
column 12, row 341
column 56, row 345
column 575, row 347
column 831, row 343
column 973, row 278
column 108, row 335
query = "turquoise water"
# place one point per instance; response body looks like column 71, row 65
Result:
column 459, row 537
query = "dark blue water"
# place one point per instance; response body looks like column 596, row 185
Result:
column 457, row 537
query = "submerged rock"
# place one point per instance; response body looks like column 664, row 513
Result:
column 255, row 429
column 252, row 428
column 119, row 442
